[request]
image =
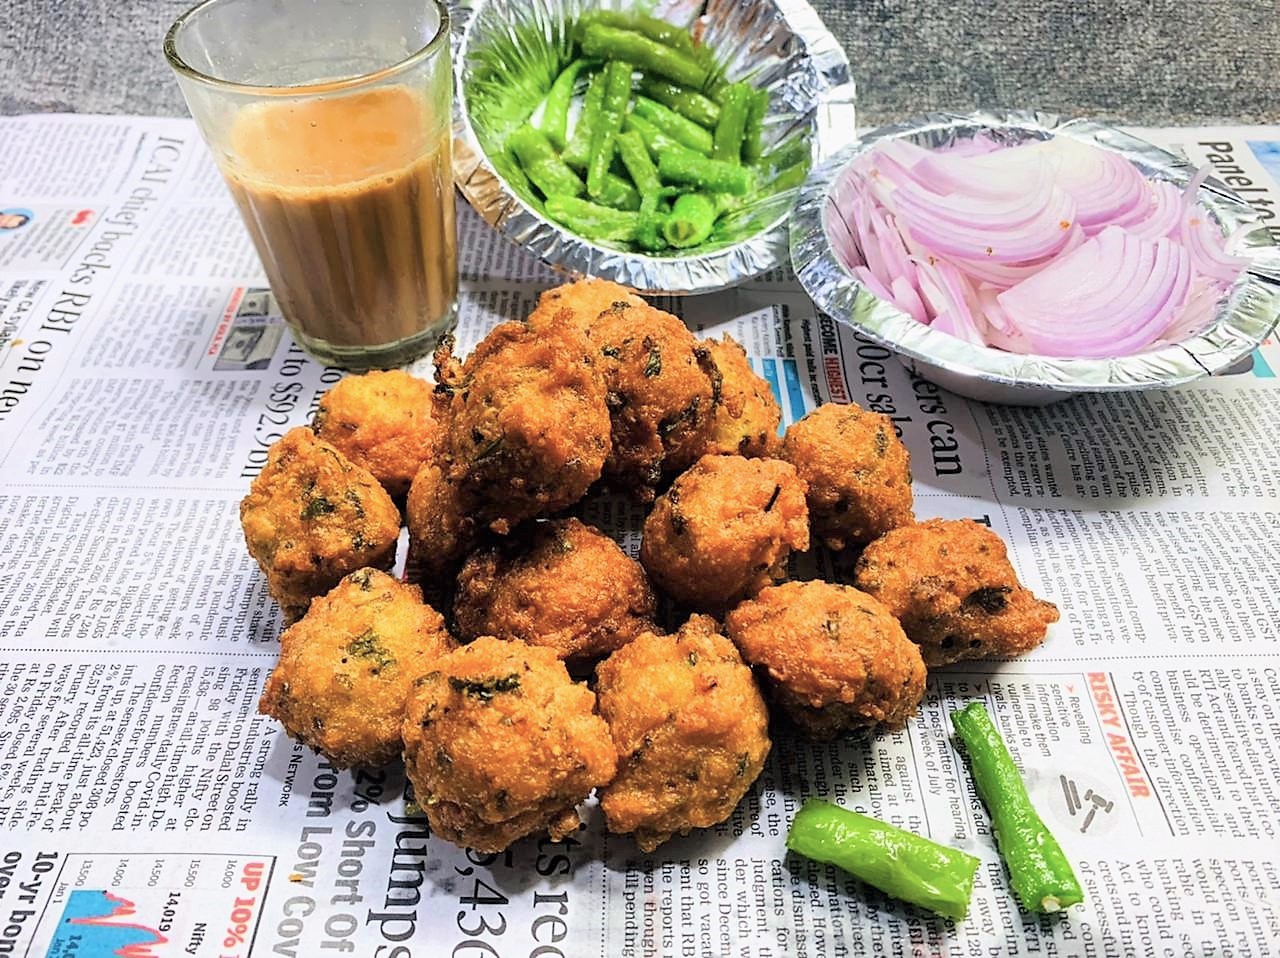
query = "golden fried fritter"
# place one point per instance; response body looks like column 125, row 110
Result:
column 664, row 388
column 724, row 529
column 441, row 529
column 563, row 585
column 346, row 668
column 500, row 743
column 952, row 586
column 580, row 303
column 312, row 516
column 691, row 731
column 746, row 421
column 527, row 428
column 381, row 421
column 835, row 658
column 858, row 470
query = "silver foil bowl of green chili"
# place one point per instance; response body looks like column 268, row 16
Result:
column 1242, row 318
column 507, row 53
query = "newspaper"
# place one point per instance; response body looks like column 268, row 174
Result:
column 146, row 808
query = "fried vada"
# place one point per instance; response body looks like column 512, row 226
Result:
column 527, row 428
column 746, row 421
column 560, row 584
column 500, row 743
column 441, row 527
column 312, row 516
column 858, row 471
column 691, row 730
column 834, row 658
column 581, row 303
column 724, row 530
column 663, row 390
column 950, row 583
column 381, row 421
column 346, row 668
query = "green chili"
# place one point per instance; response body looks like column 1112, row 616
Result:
column 656, row 141
column 753, row 136
column 592, row 221
column 610, row 43
column 793, row 151
column 617, row 94
column 578, row 150
column 618, row 193
column 639, row 166
column 713, row 176
column 540, row 163
column 681, row 129
column 688, row 103
column 651, row 27
column 899, row 863
column 690, row 220
column 790, row 178
column 555, row 112
column 727, row 203
column 732, row 127
column 509, row 168
column 649, row 226
column 1039, row 872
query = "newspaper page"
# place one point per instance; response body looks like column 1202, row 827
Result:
column 147, row 809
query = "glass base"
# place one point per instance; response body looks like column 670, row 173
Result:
column 360, row 359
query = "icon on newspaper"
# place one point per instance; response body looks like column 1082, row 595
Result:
column 255, row 333
column 1076, row 805
column 14, row 218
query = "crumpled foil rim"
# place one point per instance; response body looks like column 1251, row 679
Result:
column 1242, row 318
column 825, row 83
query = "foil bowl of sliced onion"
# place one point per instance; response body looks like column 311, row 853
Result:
column 1022, row 258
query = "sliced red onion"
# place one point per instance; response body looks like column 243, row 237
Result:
column 975, row 146
column 989, row 306
column 1165, row 215
column 872, row 282
column 1005, row 275
column 1201, row 236
column 1116, row 292
column 1198, row 312
column 1043, row 234
column 1105, row 185
column 1054, row 247
column 947, row 295
column 907, row 297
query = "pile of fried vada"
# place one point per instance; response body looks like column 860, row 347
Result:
column 561, row 666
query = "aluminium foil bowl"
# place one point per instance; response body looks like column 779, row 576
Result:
column 781, row 45
column 1243, row 317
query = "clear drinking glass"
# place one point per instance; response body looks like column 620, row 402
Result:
column 330, row 122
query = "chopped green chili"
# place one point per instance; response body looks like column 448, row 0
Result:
column 617, row 94
column 610, row 43
column 592, row 221
column 899, row 863
column 578, row 150
column 548, row 172
column 712, row 176
column 684, row 131
column 688, row 103
column 555, row 112
column 690, row 221
column 734, row 108
column 1039, row 872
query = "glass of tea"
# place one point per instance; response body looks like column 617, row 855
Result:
column 330, row 122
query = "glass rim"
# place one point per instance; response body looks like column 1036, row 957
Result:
column 185, row 69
